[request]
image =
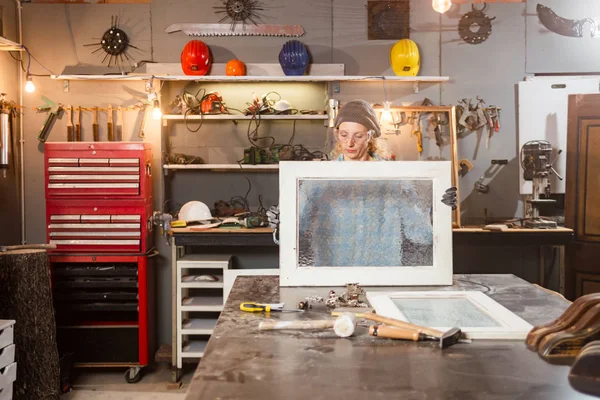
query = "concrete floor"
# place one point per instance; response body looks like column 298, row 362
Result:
column 110, row 385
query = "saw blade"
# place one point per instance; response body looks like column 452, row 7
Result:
column 239, row 30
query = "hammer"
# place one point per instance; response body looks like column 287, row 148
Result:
column 410, row 331
column 343, row 326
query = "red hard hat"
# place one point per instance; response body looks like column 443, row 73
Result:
column 195, row 58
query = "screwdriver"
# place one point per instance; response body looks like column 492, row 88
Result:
column 259, row 307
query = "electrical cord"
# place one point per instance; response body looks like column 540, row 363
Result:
column 30, row 56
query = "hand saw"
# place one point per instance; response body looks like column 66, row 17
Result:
column 248, row 30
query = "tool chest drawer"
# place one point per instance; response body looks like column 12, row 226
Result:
column 98, row 226
column 89, row 288
column 101, row 170
column 104, row 307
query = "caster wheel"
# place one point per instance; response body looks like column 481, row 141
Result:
column 133, row 375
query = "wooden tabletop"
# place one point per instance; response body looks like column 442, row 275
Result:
column 242, row 363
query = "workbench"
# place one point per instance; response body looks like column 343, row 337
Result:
column 462, row 237
column 242, row 363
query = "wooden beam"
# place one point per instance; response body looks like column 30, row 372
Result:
column 90, row 1
column 486, row 1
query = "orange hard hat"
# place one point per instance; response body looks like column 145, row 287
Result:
column 235, row 68
column 195, row 58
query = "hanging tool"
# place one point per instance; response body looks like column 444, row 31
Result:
column 119, row 124
column 260, row 307
column 141, row 133
column 6, row 112
column 78, row 124
column 246, row 30
column 416, row 120
column 53, row 109
column 95, row 125
column 465, row 167
column 70, row 135
column 111, row 134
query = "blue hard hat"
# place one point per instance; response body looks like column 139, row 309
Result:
column 294, row 58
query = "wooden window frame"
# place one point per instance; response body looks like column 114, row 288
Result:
column 290, row 172
column 512, row 327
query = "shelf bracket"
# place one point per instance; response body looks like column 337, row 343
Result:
column 416, row 87
column 336, row 86
column 66, row 85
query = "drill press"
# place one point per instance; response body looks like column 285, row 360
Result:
column 535, row 160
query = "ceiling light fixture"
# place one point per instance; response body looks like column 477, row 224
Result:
column 441, row 6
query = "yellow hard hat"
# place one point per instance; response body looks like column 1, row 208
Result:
column 405, row 58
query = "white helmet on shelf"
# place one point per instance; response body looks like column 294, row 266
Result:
column 195, row 211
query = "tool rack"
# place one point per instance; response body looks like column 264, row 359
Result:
column 98, row 207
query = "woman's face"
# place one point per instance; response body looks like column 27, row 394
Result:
column 354, row 140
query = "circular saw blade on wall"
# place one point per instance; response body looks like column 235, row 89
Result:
column 475, row 27
column 239, row 11
column 389, row 20
column 114, row 45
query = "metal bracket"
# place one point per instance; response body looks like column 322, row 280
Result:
column 336, row 86
column 66, row 85
column 416, row 87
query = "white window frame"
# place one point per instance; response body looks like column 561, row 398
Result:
column 512, row 327
column 440, row 273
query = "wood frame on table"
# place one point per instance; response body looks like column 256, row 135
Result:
column 512, row 327
column 451, row 111
column 291, row 172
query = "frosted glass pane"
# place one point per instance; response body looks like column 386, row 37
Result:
column 364, row 223
column 456, row 312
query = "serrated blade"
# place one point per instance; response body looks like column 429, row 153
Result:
column 239, row 30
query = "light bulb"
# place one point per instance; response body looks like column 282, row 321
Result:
column 156, row 113
column 386, row 114
column 29, row 86
column 441, row 6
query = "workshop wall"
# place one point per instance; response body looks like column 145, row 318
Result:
column 336, row 32
column 9, row 188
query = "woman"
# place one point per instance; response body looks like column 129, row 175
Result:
column 357, row 132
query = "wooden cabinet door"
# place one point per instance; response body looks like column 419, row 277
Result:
column 582, row 205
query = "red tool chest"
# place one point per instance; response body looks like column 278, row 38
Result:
column 98, row 169
column 98, row 209
column 99, row 225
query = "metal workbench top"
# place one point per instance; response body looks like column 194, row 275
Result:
column 242, row 363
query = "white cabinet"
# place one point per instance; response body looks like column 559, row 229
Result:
column 200, row 297
column 8, row 366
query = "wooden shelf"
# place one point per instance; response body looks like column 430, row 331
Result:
column 228, row 167
column 202, row 303
column 245, row 117
column 247, row 79
column 198, row 326
column 9, row 45
column 188, row 282
column 194, row 349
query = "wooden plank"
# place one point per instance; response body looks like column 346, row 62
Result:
column 486, row 1
column 90, row 1
column 513, row 230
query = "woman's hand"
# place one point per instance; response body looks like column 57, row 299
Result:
column 449, row 198
column 273, row 216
